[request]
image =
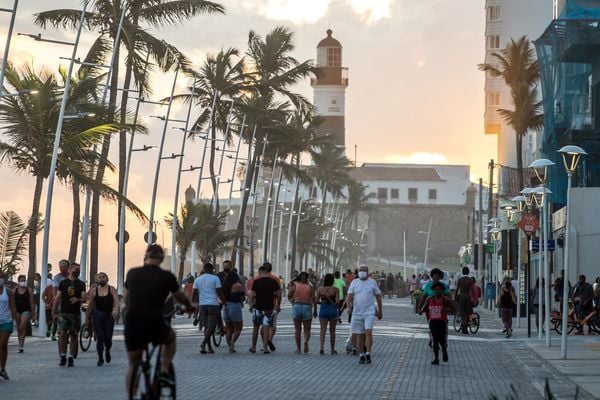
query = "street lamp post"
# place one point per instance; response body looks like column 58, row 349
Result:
column 541, row 170
column 520, row 201
column 571, row 156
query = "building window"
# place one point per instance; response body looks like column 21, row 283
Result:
column 432, row 194
column 492, row 99
column 334, row 57
column 493, row 42
column 413, row 194
column 382, row 193
column 395, row 194
column 493, row 13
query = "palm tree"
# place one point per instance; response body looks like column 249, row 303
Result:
column 310, row 237
column 137, row 41
column 358, row 200
column 330, row 171
column 199, row 223
column 518, row 67
column 29, row 122
column 13, row 234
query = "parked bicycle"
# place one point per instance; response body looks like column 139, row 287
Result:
column 592, row 319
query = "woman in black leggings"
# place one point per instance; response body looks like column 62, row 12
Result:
column 104, row 308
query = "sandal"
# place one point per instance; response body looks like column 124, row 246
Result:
column 333, row 353
column 252, row 350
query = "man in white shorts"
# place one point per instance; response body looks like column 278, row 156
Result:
column 362, row 295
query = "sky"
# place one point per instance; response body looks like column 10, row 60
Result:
column 415, row 94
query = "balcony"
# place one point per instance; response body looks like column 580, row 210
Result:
column 331, row 76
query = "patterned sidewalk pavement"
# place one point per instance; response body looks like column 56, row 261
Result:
column 480, row 366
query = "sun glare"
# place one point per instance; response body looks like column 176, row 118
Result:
column 418, row 158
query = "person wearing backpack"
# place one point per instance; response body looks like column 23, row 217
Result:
column 506, row 303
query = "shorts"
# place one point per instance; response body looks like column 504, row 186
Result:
column 361, row 323
column 264, row 318
column 69, row 323
column 209, row 315
column 233, row 312
column 328, row 312
column 140, row 332
column 6, row 327
column 302, row 311
column 26, row 314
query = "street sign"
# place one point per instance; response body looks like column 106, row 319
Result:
column 529, row 224
column 534, row 245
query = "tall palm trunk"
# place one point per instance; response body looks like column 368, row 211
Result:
column 75, row 220
column 297, row 204
column 95, row 218
column 181, row 264
column 33, row 225
column 519, row 142
column 211, row 165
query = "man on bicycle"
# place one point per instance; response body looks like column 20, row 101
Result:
column 463, row 299
column 583, row 294
column 146, row 290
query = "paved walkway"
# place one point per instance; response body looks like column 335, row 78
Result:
column 480, row 366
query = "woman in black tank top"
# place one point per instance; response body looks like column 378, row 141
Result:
column 104, row 308
column 25, row 306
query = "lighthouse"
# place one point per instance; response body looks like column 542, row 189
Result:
column 330, row 88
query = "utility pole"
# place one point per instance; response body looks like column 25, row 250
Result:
column 490, row 214
column 480, row 234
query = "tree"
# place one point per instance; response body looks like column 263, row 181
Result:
column 358, row 200
column 518, row 67
column 310, row 236
column 330, row 171
column 199, row 223
column 105, row 17
column 13, row 236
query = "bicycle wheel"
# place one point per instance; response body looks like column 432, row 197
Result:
column 474, row 323
column 217, row 338
column 85, row 338
column 457, row 322
column 557, row 325
column 139, row 386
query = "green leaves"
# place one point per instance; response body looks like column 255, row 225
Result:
column 13, row 232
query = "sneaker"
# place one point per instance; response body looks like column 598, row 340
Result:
column 4, row 375
column 70, row 362
column 445, row 357
column 362, row 359
column 100, row 362
column 271, row 346
column 368, row 358
column 435, row 362
column 166, row 379
column 107, row 356
column 63, row 361
column 20, row 349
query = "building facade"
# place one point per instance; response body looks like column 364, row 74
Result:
column 506, row 20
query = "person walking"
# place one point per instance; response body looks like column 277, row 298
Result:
column 436, row 308
column 8, row 314
column 506, row 304
column 102, row 310
column 70, row 295
column 463, row 299
column 48, row 298
column 390, row 285
column 327, row 296
column 264, row 305
column 340, row 284
column 413, row 285
column 302, row 296
column 538, row 293
column 583, row 295
column 207, row 292
column 25, row 309
column 232, row 314
column 363, row 293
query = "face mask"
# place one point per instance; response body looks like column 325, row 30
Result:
column 103, row 283
column 76, row 274
column 362, row 274
column 23, row 284
column 36, row 284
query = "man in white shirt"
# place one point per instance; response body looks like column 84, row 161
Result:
column 362, row 295
column 207, row 292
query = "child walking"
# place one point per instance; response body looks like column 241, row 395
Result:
column 436, row 308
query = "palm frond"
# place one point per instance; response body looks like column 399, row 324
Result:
column 12, row 241
column 173, row 12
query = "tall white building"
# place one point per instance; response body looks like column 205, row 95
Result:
column 506, row 20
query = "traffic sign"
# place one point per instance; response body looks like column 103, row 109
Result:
column 529, row 224
column 534, row 245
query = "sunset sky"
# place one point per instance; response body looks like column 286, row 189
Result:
column 415, row 93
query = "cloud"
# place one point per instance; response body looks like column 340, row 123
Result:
column 310, row 11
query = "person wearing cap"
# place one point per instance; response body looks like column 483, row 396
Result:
column 363, row 293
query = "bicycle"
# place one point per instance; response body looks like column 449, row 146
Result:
column 217, row 336
column 145, row 383
column 592, row 319
column 473, row 323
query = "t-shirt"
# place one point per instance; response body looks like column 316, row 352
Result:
column 340, row 285
column 264, row 290
column 364, row 293
column 69, row 289
column 147, row 289
column 207, row 285
column 428, row 291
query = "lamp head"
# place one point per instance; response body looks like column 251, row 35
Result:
column 527, row 193
column 539, row 194
column 496, row 233
column 495, row 221
column 571, row 155
column 540, row 167
column 520, row 201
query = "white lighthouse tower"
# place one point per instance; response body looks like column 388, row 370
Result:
column 330, row 88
